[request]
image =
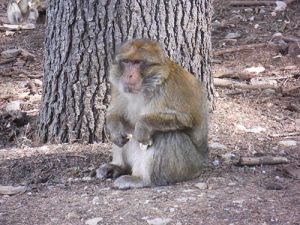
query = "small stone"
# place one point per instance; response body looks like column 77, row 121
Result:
column 262, row 11
column 257, row 69
column 216, row 145
column 93, row 221
column 281, row 6
column 72, row 215
column 216, row 183
column 277, row 35
column 248, row 10
column 201, row 186
column 251, row 18
column 274, row 186
column 159, row 221
column 216, row 162
column 238, row 201
column 257, row 130
column 230, row 158
column 37, row 82
column 10, row 190
column 10, row 53
column 288, row 143
column 268, row 92
column 233, row 35
column 12, row 106
column 9, row 33
column 96, row 200
column 86, row 178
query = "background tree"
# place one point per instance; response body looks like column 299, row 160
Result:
column 81, row 38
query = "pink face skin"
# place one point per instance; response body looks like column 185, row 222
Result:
column 131, row 79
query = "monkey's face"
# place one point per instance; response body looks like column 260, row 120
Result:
column 138, row 67
column 131, row 79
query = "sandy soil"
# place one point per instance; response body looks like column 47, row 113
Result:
column 60, row 185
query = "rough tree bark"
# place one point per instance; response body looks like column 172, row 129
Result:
column 81, row 38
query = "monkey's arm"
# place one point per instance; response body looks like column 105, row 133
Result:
column 115, row 125
column 148, row 124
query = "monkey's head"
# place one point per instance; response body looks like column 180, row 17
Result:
column 139, row 66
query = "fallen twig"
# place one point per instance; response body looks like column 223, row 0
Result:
column 292, row 91
column 256, row 3
column 19, row 72
column 263, row 160
column 251, row 3
column 239, row 48
column 223, row 72
column 286, row 134
column 26, row 54
column 291, row 39
column 233, row 84
column 7, row 61
column 17, row 27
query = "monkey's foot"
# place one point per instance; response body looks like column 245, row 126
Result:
column 109, row 171
column 127, row 181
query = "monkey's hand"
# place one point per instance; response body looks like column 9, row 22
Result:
column 142, row 133
column 117, row 134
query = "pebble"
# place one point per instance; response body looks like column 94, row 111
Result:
column 93, row 221
column 159, row 221
column 72, row 215
column 268, row 92
column 12, row 106
column 216, row 145
column 201, row 186
column 96, row 200
column 10, row 53
column 233, row 35
column 288, row 143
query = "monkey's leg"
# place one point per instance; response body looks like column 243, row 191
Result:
column 116, row 168
column 128, row 181
column 176, row 158
column 141, row 163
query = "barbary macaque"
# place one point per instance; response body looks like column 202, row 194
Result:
column 23, row 11
column 157, row 119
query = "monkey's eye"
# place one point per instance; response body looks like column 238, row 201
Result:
column 138, row 62
column 124, row 61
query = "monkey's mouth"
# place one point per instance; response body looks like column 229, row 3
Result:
column 132, row 88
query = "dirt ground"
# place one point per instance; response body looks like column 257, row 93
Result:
column 246, row 122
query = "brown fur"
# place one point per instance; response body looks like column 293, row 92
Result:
column 168, row 114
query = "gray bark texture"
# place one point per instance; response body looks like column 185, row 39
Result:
column 81, row 38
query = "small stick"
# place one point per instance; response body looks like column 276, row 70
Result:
column 231, row 84
column 17, row 27
column 264, row 160
column 7, row 61
column 251, row 3
column 239, row 48
column 286, row 134
column 291, row 39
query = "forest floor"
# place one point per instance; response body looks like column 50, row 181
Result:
column 249, row 120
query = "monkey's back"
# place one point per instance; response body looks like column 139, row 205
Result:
column 181, row 155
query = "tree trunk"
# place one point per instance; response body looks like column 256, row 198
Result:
column 81, row 38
